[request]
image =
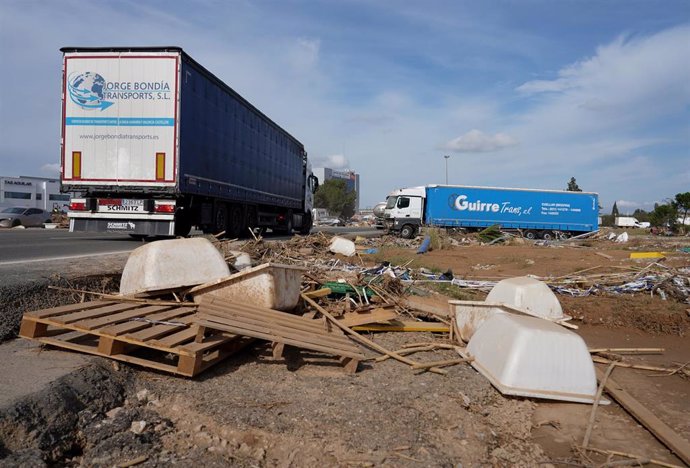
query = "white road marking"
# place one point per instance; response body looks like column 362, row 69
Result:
column 67, row 257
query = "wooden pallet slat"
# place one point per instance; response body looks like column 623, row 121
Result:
column 268, row 315
column 279, row 328
column 158, row 331
column 132, row 326
column 182, row 336
column 252, row 327
column 289, row 341
column 93, row 313
column 55, row 311
column 309, row 327
column 114, row 319
column 107, row 329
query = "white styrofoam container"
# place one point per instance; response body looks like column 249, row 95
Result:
column 270, row 285
column 532, row 357
column 469, row 315
column 531, row 295
column 173, row 263
column 340, row 245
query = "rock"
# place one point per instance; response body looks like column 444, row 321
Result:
column 143, row 395
column 138, row 427
column 112, row 414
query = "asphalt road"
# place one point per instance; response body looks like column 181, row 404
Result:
column 18, row 246
column 33, row 246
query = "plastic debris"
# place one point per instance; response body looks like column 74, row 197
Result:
column 342, row 246
column 622, row 238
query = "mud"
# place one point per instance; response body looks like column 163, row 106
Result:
column 46, row 425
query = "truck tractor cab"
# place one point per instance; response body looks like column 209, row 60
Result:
column 403, row 212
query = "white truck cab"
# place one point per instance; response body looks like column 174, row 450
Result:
column 404, row 211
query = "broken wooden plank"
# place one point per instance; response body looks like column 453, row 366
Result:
column 323, row 292
column 405, row 326
column 423, row 306
column 628, row 350
column 367, row 342
column 656, row 426
column 377, row 315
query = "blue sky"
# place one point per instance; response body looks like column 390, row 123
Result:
column 520, row 93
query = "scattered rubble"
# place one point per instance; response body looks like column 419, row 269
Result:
column 341, row 291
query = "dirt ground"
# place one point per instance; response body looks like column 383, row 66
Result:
column 303, row 410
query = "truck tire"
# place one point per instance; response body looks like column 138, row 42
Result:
column 546, row 235
column 287, row 229
column 220, row 218
column 530, row 234
column 408, row 231
column 235, row 222
column 305, row 229
column 183, row 225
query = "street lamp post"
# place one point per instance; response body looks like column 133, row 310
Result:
column 446, row 157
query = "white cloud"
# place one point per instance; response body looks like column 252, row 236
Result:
column 476, row 141
column 613, row 86
column 51, row 169
column 334, row 161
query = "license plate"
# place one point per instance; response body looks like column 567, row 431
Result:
column 120, row 205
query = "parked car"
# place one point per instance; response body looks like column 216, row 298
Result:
column 28, row 217
column 330, row 221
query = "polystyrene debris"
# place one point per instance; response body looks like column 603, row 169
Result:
column 342, row 246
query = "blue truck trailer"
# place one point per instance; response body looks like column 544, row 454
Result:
column 153, row 144
column 536, row 213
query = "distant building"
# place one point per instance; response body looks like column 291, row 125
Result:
column 351, row 179
column 32, row 192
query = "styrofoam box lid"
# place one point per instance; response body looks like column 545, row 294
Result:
column 529, row 294
column 530, row 356
column 173, row 263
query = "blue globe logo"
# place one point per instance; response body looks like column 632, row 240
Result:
column 86, row 90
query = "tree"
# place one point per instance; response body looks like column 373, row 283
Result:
column 334, row 196
column 682, row 205
column 641, row 215
column 572, row 186
column 614, row 211
column 664, row 216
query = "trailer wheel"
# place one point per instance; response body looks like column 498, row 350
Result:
column 236, row 222
column 408, row 231
column 530, row 234
column 547, row 235
column 220, row 218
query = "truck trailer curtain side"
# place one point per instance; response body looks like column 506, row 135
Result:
column 155, row 143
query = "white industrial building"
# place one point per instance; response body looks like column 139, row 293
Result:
column 32, row 192
column 351, row 179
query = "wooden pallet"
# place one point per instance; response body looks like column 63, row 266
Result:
column 280, row 328
column 160, row 337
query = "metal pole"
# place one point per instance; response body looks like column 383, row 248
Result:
column 446, row 157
